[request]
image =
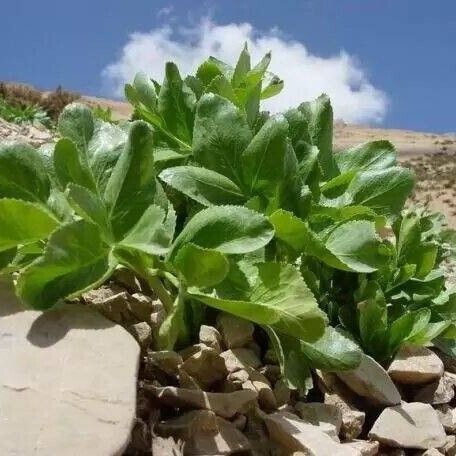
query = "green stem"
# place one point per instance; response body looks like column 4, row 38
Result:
column 156, row 284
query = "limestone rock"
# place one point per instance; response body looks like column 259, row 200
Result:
column 209, row 336
column 167, row 361
column 432, row 452
column 260, row 383
column 365, row 447
column 282, row 392
column 438, row 392
column 271, row 372
column 225, row 405
column 142, row 332
column 162, row 446
column 317, row 413
column 409, row 425
column 447, row 416
column 236, row 332
column 414, row 365
column 370, row 380
column 240, row 358
column 206, row 366
column 187, row 381
column 297, row 435
column 65, row 373
column 449, row 449
column 204, row 433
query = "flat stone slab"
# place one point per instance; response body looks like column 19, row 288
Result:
column 67, row 381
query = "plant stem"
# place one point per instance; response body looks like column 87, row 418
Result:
column 156, row 284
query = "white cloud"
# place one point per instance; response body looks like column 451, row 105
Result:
column 306, row 75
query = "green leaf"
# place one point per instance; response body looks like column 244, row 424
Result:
column 242, row 67
column 351, row 246
column 23, row 222
column 143, row 236
column 176, row 104
column 221, row 86
column 263, row 159
column 384, row 190
column 6, row 257
column 145, row 91
column 88, row 206
column 333, row 351
column 221, row 134
column 278, row 297
column 70, row 166
column 201, row 267
column 131, row 187
column 367, row 156
column 211, row 68
column 203, row 185
column 256, row 74
column 22, row 173
column 75, row 259
column 228, row 229
column 294, row 365
column 77, row 124
column 272, row 87
column 173, row 328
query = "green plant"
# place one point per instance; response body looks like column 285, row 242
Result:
column 102, row 114
column 21, row 114
column 214, row 203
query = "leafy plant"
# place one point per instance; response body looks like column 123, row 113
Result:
column 216, row 203
column 21, row 114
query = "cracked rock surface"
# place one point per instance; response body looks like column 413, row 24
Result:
column 67, row 381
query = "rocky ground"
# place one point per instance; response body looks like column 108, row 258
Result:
column 224, row 394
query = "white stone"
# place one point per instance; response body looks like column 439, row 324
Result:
column 409, row 425
column 67, row 382
column 317, row 414
column 365, row 447
column 370, row 380
column 415, row 365
column 297, row 435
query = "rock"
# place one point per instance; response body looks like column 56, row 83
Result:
column 364, row 447
column 370, row 380
column 317, row 413
column 167, row 361
column 282, row 392
column 236, row 332
column 169, row 446
column 209, row 336
column 447, row 416
column 204, row 433
column 206, row 367
column 140, row 437
column 142, row 332
column 270, row 357
column 449, row 449
column 240, row 358
column 409, row 425
column 127, row 279
column 260, row 383
column 239, row 422
column 187, row 381
column 271, row 372
column 225, row 405
column 439, row 392
column 66, row 373
column 297, row 435
column 352, row 418
column 449, row 362
column 414, row 365
column 432, row 452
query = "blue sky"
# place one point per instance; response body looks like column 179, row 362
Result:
column 405, row 49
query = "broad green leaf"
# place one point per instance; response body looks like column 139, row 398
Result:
column 75, row 259
column 88, row 205
column 22, row 222
column 424, row 255
column 252, row 104
column 337, row 185
column 367, row 156
column 408, row 235
column 77, row 124
column 176, row 104
column 431, row 332
column 400, row 330
column 221, row 134
column 70, row 166
column 320, row 129
column 278, row 297
column 221, row 86
column 256, row 74
column 333, row 351
column 201, row 267
column 131, row 187
column 373, row 326
column 351, row 246
column 173, row 328
column 195, row 85
column 211, row 68
column 22, row 173
column 145, row 90
column 272, row 87
column 242, row 67
column 143, row 236
column 203, row 185
column 384, row 190
column 228, row 229
column 263, row 160
column 294, row 366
